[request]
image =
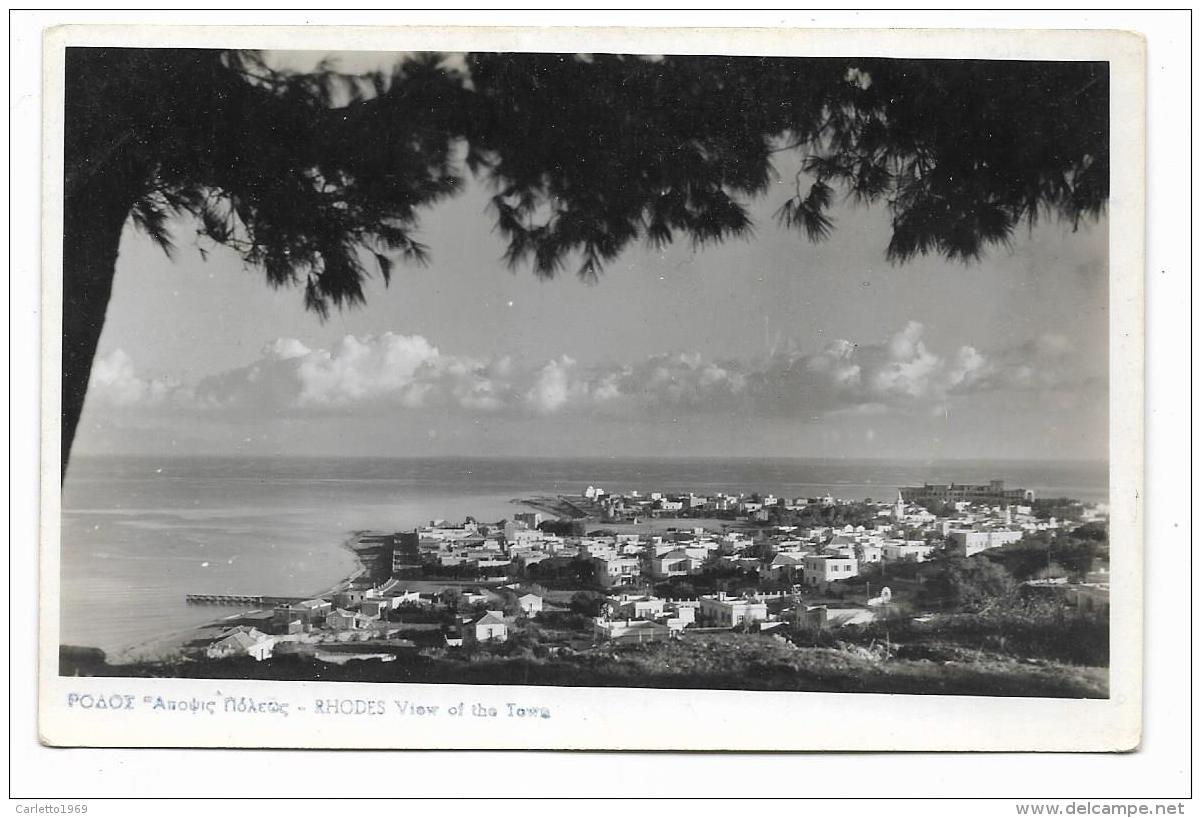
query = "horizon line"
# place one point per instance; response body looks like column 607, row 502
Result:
column 641, row 458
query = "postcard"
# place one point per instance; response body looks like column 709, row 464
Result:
column 568, row 388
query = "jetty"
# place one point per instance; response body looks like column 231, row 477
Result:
column 241, row 600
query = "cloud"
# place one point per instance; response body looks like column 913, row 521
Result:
column 385, row 372
column 392, row 373
column 116, row 382
column 903, row 372
column 1047, row 362
column 553, row 386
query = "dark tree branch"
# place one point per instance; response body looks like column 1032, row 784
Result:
column 308, row 186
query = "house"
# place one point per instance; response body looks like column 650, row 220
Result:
column 783, row 567
column 350, row 597
column 674, row 563
column 822, row 569
column 531, row 604
column 341, row 619
column 308, row 613
column 242, row 641
column 629, row 549
column 283, row 623
column 524, row 558
column 529, row 537
column 680, row 616
column 867, row 552
column 532, row 519
column 615, row 571
column 492, row 566
column 728, row 611
column 377, row 607
column 699, row 551
column 642, row 607
column 598, row 548
column 906, row 550
column 314, row 610
column 491, row 627
column 842, row 550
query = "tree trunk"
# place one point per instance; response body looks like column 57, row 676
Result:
column 93, row 217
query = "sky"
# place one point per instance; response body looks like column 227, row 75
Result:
column 772, row 346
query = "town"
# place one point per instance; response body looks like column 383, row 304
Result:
column 585, row 575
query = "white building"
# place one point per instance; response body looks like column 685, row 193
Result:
column 906, row 550
column 531, row 604
column 616, row 570
column 242, row 641
column 729, row 611
column 822, row 569
column 675, row 563
column 643, row 607
column 973, row 541
column 340, row 619
column 868, row 552
column 633, row 630
column 490, row 627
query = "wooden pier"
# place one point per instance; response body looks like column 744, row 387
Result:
column 241, row 600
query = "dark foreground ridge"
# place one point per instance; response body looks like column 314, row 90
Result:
column 720, row 661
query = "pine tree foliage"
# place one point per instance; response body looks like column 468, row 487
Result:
column 318, row 179
column 311, row 175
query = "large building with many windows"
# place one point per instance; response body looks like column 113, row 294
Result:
column 992, row 493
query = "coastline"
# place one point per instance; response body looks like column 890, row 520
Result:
column 372, row 564
column 344, row 583
column 171, row 646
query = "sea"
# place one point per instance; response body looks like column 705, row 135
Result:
column 139, row 533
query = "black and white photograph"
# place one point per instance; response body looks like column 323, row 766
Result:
column 548, row 369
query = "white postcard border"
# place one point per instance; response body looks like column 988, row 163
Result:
column 606, row 718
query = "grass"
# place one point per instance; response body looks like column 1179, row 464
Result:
column 1047, row 633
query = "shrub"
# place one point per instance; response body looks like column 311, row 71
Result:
column 970, row 584
column 588, row 603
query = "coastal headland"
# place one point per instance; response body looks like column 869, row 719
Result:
column 992, row 595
